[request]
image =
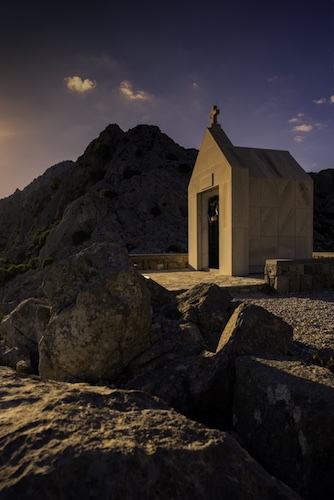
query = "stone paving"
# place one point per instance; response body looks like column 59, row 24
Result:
column 184, row 279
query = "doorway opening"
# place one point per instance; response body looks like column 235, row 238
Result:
column 213, row 233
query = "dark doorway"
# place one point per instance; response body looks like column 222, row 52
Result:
column 213, row 215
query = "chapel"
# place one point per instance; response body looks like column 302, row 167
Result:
column 246, row 205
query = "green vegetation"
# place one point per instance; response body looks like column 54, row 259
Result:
column 26, row 259
column 40, row 236
column 9, row 271
column 2, row 315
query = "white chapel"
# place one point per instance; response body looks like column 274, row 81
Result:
column 246, row 205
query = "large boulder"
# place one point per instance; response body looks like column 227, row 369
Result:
column 200, row 383
column 23, row 328
column 284, row 412
column 253, row 329
column 208, row 306
column 70, row 441
column 102, row 315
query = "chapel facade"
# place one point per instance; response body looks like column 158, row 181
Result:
column 246, row 205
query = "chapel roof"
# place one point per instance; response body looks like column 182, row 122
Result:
column 260, row 162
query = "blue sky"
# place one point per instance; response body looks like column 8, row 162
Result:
column 68, row 69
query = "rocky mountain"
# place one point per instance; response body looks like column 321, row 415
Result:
column 323, row 210
column 137, row 180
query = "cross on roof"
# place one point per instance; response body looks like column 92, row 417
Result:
column 214, row 114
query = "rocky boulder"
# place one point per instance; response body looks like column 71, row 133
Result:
column 101, row 315
column 209, row 307
column 76, row 441
column 200, row 383
column 23, row 328
column 85, row 221
column 284, row 411
column 253, row 329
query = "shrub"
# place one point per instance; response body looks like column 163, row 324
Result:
column 9, row 272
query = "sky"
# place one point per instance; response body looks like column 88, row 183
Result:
column 69, row 69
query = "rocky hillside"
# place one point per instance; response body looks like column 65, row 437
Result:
column 136, row 180
column 323, row 210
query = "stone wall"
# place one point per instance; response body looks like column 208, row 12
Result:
column 160, row 261
column 300, row 275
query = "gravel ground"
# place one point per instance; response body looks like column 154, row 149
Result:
column 310, row 314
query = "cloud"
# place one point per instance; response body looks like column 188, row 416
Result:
column 323, row 100
column 320, row 126
column 297, row 118
column 126, row 89
column 303, row 128
column 272, row 78
column 76, row 84
column 195, row 86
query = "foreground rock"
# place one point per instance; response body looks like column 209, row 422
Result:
column 23, row 328
column 208, row 306
column 102, row 315
column 284, row 411
column 200, row 383
column 77, row 441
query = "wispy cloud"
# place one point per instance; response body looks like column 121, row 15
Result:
column 324, row 100
column 272, row 78
column 303, row 128
column 76, row 84
column 320, row 126
column 126, row 89
column 297, row 118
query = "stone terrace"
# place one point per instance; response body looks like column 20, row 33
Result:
column 178, row 281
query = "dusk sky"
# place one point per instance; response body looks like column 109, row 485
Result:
column 68, row 69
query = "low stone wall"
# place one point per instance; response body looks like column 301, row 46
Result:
column 303, row 275
column 160, row 261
